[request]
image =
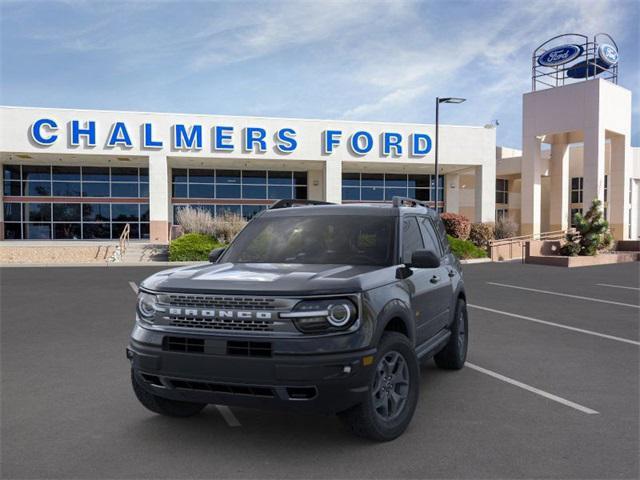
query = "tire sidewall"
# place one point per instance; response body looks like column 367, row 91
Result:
column 390, row 429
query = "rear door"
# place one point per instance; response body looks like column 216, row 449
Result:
column 441, row 279
column 421, row 287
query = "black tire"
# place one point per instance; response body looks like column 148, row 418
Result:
column 366, row 419
column 164, row 406
column 454, row 354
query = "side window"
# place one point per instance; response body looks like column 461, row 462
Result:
column 442, row 233
column 430, row 237
column 411, row 238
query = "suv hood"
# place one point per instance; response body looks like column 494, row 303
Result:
column 269, row 278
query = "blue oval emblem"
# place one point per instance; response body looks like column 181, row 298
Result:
column 560, row 55
column 608, row 54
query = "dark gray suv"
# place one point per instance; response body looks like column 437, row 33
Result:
column 314, row 308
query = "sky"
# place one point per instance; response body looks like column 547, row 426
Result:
column 343, row 60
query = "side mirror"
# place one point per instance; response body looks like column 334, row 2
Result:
column 424, row 259
column 215, row 254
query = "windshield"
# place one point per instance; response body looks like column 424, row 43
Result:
column 338, row 239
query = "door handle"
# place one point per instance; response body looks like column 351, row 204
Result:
column 452, row 273
column 435, row 279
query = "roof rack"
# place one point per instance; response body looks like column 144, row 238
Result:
column 292, row 202
column 403, row 201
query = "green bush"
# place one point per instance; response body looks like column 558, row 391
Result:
column 592, row 233
column 192, row 247
column 464, row 249
column 456, row 225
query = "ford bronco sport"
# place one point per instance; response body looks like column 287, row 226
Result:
column 316, row 308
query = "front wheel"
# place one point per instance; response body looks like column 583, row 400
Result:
column 454, row 354
column 164, row 406
column 393, row 392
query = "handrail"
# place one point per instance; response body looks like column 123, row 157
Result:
column 537, row 236
column 123, row 241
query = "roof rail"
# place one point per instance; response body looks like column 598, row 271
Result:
column 293, row 202
column 402, row 201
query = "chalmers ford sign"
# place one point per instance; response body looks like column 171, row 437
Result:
column 220, row 138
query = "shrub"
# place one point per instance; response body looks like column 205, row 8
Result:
column 505, row 228
column 464, row 249
column 195, row 220
column 458, row 226
column 192, row 247
column 591, row 235
column 481, row 234
column 227, row 226
column 224, row 227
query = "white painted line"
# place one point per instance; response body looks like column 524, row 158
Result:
column 552, row 324
column 228, row 415
column 591, row 299
column 134, row 287
column 537, row 391
column 616, row 286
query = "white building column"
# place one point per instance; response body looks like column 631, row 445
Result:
column 485, row 192
column 559, row 169
column 593, row 166
column 452, row 193
column 159, row 198
column 333, row 181
column 531, row 187
column 619, row 186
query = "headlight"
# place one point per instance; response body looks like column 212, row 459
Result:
column 319, row 316
column 146, row 305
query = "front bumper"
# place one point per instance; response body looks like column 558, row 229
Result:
column 318, row 383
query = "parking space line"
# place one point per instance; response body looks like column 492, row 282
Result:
column 616, row 286
column 228, row 415
column 537, row 391
column 134, row 287
column 590, row 299
column 552, row 324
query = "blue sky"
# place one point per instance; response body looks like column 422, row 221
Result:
column 366, row 60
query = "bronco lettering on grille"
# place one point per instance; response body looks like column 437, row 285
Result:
column 232, row 314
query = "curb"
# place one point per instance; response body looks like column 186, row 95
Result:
column 98, row 265
column 471, row 261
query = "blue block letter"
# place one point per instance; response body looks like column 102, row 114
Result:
column 36, row 131
column 331, row 139
column 119, row 136
column 147, row 138
column 392, row 140
column 183, row 139
column 421, row 144
column 89, row 131
column 286, row 142
column 253, row 136
column 355, row 142
column 222, row 136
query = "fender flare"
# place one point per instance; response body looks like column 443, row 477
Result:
column 395, row 309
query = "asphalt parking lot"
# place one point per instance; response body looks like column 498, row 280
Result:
column 551, row 389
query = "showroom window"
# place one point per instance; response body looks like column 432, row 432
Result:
column 576, row 189
column 381, row 187
column 242, row 192
column 502, row 190
column 97, row 202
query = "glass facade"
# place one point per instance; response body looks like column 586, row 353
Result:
column 381, row 187
column 77, row 202
column 502, row 190
column 243, row 192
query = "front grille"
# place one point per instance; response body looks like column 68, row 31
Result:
column 180, row 344
column 222, row 324
column 222, row 302
column 253, row 390
column 249, row 349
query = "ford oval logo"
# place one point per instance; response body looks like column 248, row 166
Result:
column 560, row 55
column 608, row 54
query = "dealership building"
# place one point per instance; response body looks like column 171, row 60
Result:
column 85, row 174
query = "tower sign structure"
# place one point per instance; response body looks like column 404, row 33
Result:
column 575, row 99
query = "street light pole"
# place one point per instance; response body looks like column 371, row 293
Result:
column 438, row 102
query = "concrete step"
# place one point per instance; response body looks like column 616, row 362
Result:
column 145, row 252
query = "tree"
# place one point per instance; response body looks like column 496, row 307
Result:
column 591, row 235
